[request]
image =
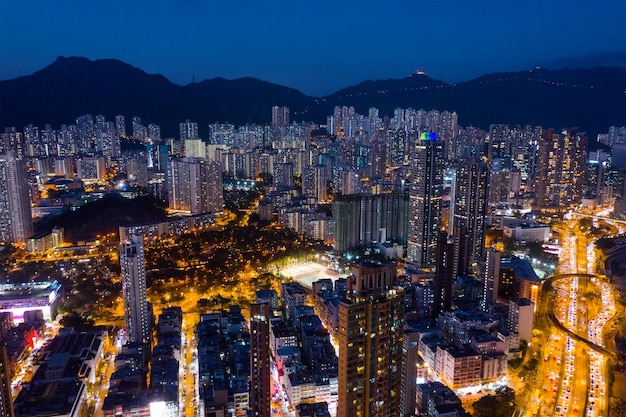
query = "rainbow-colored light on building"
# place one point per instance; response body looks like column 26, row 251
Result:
column 428, row 136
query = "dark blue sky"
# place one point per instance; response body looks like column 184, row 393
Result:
column 317, row 46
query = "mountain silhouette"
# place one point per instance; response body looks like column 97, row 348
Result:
column 592, row 99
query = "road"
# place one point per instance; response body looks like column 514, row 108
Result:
column 101, row 387
column 580, row 378
column 189, row 366
column 571, row 379
column 559, row 324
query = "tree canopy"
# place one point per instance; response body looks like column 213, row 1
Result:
column 501, row 404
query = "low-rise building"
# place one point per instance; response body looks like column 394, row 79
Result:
column 318, row 409
column 493, row 367
column 291, row 295
column 460, row 366
column 59, row 397
column 223, row 363
column 435, row 399
column 457, row 325
column 128, row 391
column 511, row 343
column 58, row 387
column 19, row 298
column 327, row 303
column 485, row 343
column 518, row 279
column 282, row 336
column 45, row 241
column 527, row 231
column 521, row 317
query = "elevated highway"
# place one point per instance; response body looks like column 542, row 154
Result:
column 548, row 302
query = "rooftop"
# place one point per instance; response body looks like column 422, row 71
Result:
column 49, row 398
column 523, row 269
column 28, row 290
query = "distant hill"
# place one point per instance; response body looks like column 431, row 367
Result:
column 70, row 87
column 592, row 99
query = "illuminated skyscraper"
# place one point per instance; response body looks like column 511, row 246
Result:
column 469, row 208
column 90, row 169
column 32, row 140
column 560, row 170
column 516, row 149
column 370, row 333
column 280, row 116
column 500, row 141
column 188, row 130
column 16, row 224
column 446, row 271
column 260, row 394
column 154, row 133
column 362, row 219
column 425, row 193
column 85, row 133
column 132, row 263
column 195, row 185
column 120, row 125
column 107, row 140
column 491, row 278
column 315, row 182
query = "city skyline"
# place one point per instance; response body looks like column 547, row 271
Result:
column 406, row 339
column 404, row 247
column 344, row 44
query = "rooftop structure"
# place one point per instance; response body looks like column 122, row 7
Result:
column 19, row 298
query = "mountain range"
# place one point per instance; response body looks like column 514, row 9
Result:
column 592, row 99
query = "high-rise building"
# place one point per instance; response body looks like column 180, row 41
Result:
column 410, row 366
column 6, row 399
column 500, row 141
column 188, row 130
column 66, row 142
column 90, row 169
column 370, row 333
column 361, row 219
column 491, row 278
column 12, row 140
column 499, row 181
column 16, row 223
column 616, row 134
column 445, row 272
column 260, row 394
column 162, row 157
column 85, row 134
column 512, row 152
column 140, row 132
column 195, row 185
column 120, row 125
column 469, row 209
column 136, row 309
column 280, row 116
column 594, row 190
column 425, row 193
column 154, row 133
column 560, row 170
column 194, row 148
column 107, row 140
column 315, row 182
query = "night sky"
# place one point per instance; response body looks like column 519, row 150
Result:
column 316, row 46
